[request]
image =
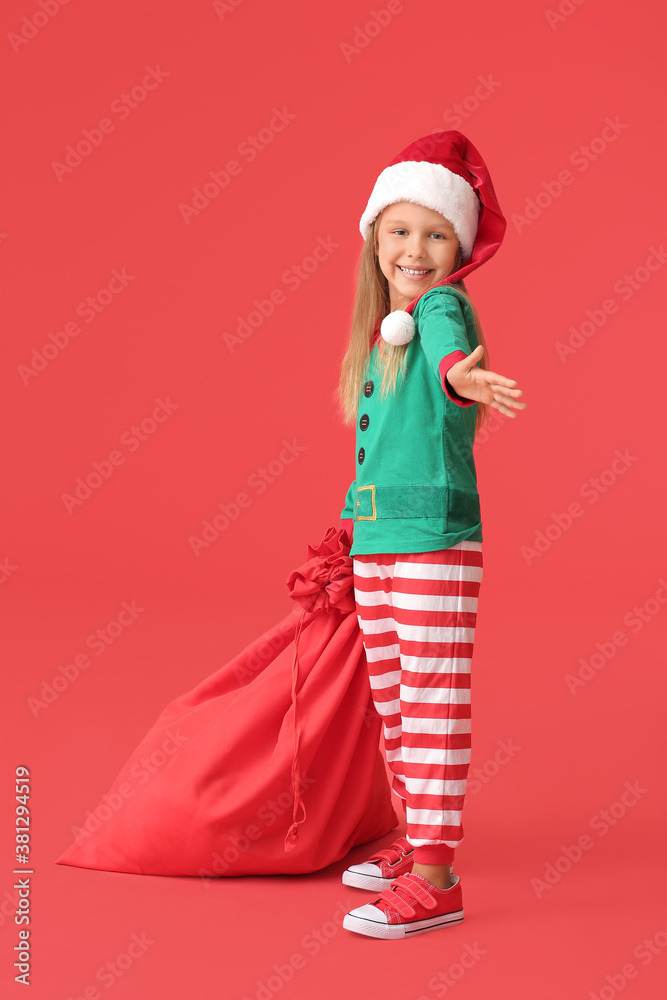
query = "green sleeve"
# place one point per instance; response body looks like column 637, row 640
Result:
column 442, row 329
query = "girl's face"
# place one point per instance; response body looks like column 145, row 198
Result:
column 414, row 238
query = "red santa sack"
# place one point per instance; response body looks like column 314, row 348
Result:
column 269, row 766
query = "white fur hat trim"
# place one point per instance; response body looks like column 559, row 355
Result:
column 430, row 185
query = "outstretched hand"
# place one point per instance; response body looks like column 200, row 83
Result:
column 484, row 386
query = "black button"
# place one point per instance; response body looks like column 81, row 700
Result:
column 362, row 455
column 363, row 423
column 368, row 388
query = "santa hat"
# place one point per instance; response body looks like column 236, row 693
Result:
column 445, row 172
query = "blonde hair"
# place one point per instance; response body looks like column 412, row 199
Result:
column 370, row 306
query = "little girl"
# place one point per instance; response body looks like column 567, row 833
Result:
column 413, row 381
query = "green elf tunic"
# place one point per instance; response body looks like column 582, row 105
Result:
column 415, row 488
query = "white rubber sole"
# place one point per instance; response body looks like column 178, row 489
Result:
column 360, row 881
column 372, row 928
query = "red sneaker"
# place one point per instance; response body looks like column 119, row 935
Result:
column 382, row 867
column 412, row 905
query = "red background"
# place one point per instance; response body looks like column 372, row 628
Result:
column 550, row 90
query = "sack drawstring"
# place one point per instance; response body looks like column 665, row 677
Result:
column 293, row 832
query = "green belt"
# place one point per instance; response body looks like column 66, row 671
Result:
column 373, row 502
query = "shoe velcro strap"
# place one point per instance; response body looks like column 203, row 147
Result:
column 417, row 889
column 386, row 855
column 393, row 853
column 390, row 855
column 414, row 889
column 396, row 902
column 420, row 891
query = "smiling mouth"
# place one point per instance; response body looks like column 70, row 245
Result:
column 413, row 272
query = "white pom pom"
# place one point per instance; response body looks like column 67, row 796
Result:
column 398, row 327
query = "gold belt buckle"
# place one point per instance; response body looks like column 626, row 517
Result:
column 367, row 517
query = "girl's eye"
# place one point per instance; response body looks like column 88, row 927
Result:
column 441, row 235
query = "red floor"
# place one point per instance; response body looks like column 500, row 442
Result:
column 544, row 917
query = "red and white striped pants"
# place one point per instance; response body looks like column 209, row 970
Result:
column 417, row 613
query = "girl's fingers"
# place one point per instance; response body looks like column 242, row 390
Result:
column 504, row 400
column 500, row 397
column 494, row 377
column 504, row 409
column 503, row 389
column 506, row 389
